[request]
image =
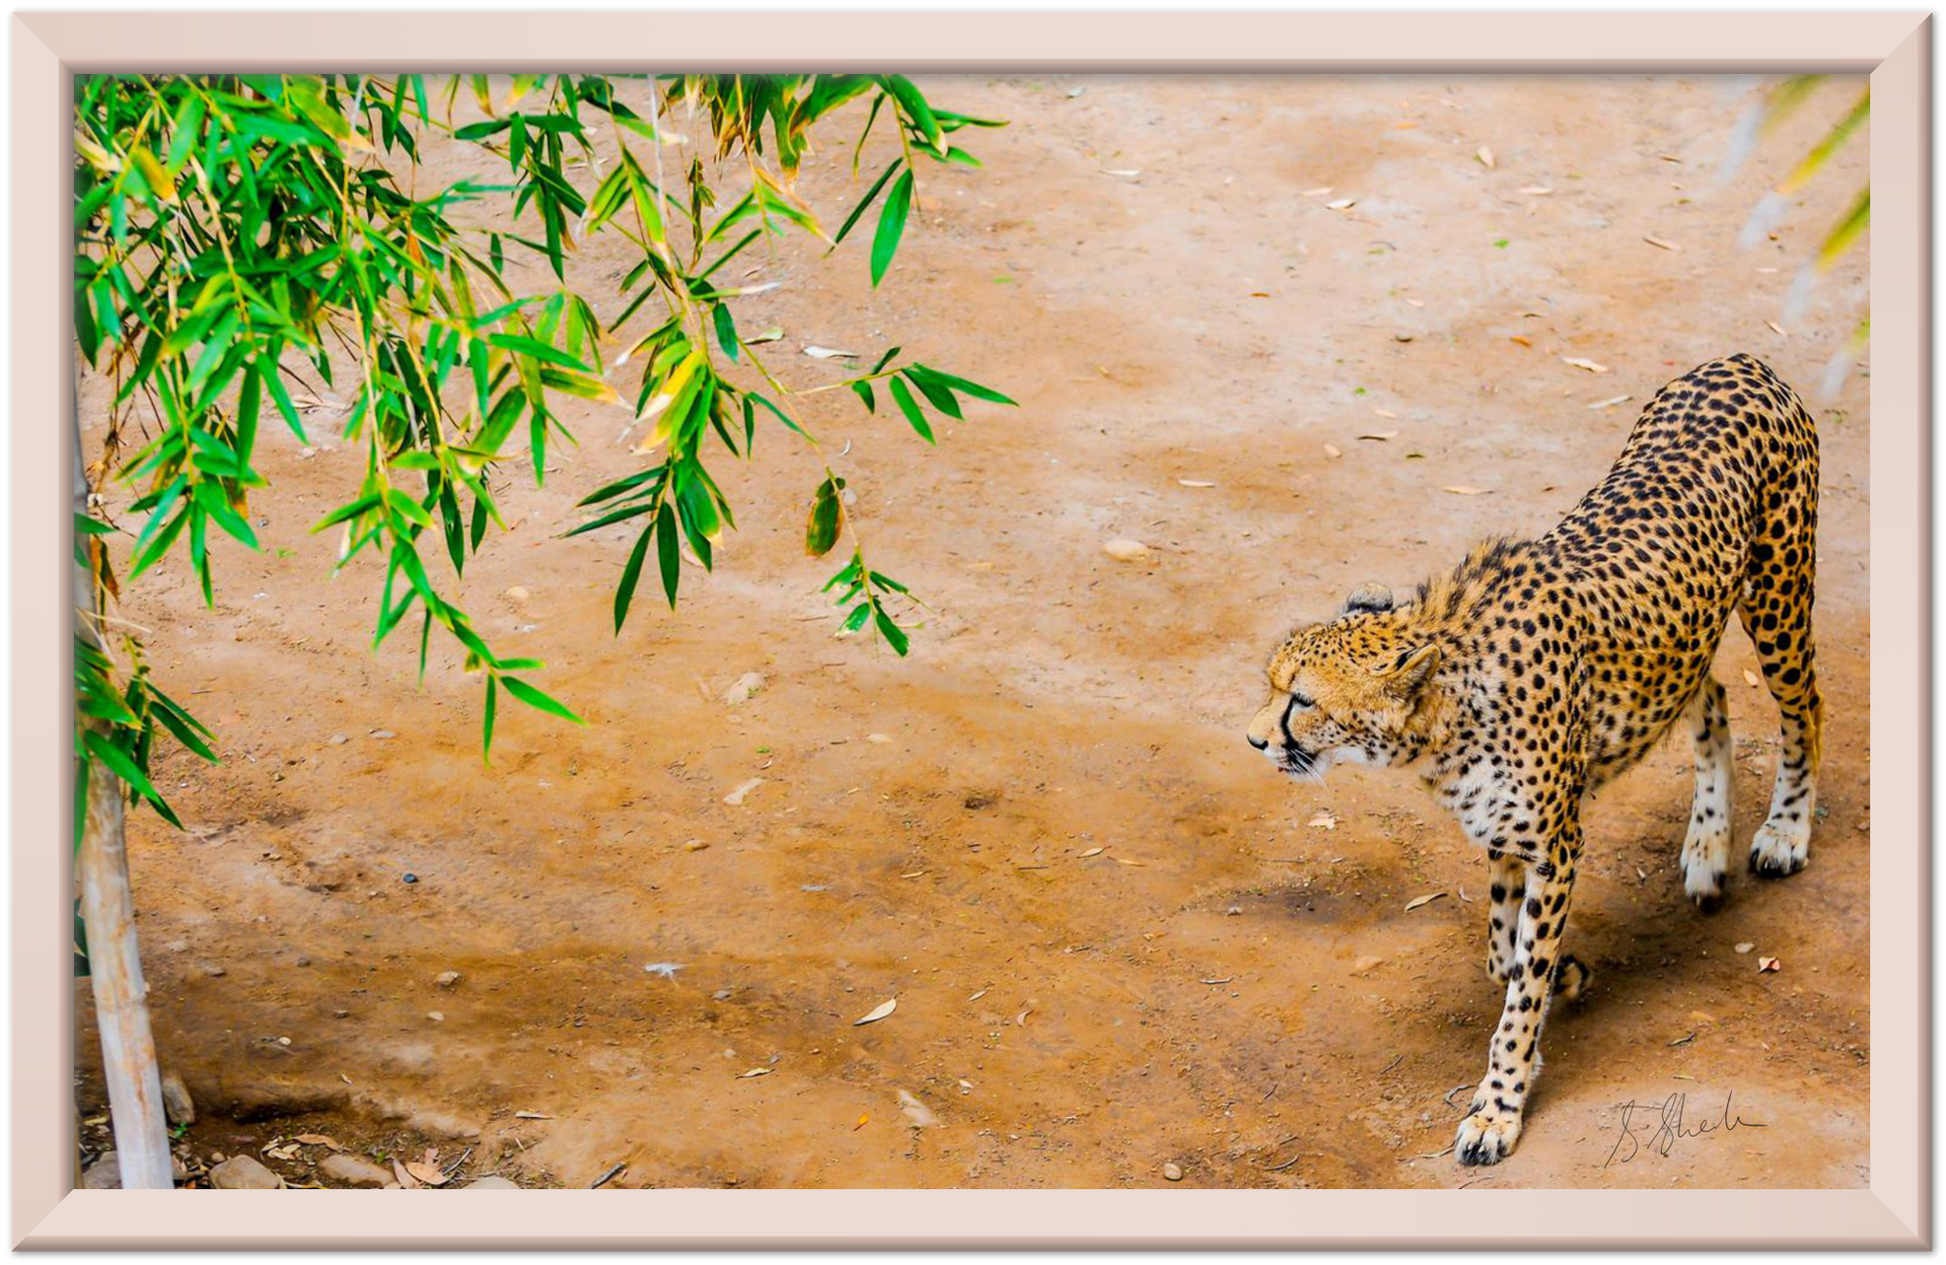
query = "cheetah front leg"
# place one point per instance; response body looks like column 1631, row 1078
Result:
column 1506, row 893
column 1506, row 890
column 1493, row 1121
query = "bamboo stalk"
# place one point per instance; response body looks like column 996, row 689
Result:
column 114, row 959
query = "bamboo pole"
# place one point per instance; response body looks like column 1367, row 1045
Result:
column 114, row 959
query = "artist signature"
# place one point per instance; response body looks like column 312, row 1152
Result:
column 1657, row 1127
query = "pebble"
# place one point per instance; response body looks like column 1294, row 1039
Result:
column 694, row 845
column 383, row 734
column 437, row 1016
column 742, row 688
column 1124, row 550
column 518, row 593
column 409, row 877
column 176, row 1103
column 302, row 962
column 353, row 1171
column 339, row 740
column 1745, row 946
column 1172, row 1172
column 104, row 1174
column 446, row 979
column 490, row 1182
column 243, row 1173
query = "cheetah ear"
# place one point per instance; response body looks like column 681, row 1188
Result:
column 1368, row 597
column 1405, row 674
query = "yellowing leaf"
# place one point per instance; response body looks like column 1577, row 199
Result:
column 1768, row 964
column 1751, row 679
column 1461, row 489
column 753, row 1072
column 1485, row 155
column 1093, row 852
column 1661, row 243
column 1422, row 900
column 1579, row 363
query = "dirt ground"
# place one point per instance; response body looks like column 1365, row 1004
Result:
column 1116, row 939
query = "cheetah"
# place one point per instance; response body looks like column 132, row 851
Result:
column 1536, row 670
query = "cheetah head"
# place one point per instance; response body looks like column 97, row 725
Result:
column 1345, row 690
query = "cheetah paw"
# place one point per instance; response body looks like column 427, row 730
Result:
column 1779, row 852
column 1486, row 1137
column 1702, row 879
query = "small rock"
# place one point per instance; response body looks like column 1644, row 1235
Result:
column 176, row 1103
column 517, row 594
column 1745, row 946
column 1402, row 337
column 341, row 1014
column 409, row 877
column 735, row 798
column 742, row 688
column 694, row 845
column 437, row 1016
column 1124, row 550
column 243, row 1173
column 104, row 1174
column 383, row 734
column 339, row 740
column 918, row 1113
column 1365, row 964
column 1172, row 1172
column 878, row 738
column 353, row 1171
column 446, row 979
column 490, row 1182
column 302, row 962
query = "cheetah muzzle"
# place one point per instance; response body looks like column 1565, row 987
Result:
column 1536, row 670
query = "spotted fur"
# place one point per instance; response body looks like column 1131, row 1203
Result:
column 1537, row 670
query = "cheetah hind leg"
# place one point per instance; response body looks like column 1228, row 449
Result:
column 1706, row 848
column 1779, row 622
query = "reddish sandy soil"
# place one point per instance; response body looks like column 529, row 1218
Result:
column 1117, row 940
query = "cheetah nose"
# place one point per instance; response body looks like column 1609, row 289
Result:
column 1259, row 743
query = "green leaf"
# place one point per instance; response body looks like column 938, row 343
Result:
column 935, row 391
column 891, row 225
column 537, row 349
column 911, row 410
column 537, row 700
column 962, row 385
column 914, row 103
column 625, row 591
column 726, row 330
column 486, row 721
column 827, row 519
column 865, row 201
column 667, row 555
column 118, row 761
column 894, row 635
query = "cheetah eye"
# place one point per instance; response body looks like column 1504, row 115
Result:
column 1302, row 701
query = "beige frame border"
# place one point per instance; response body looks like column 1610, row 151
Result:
column 1896, row 48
